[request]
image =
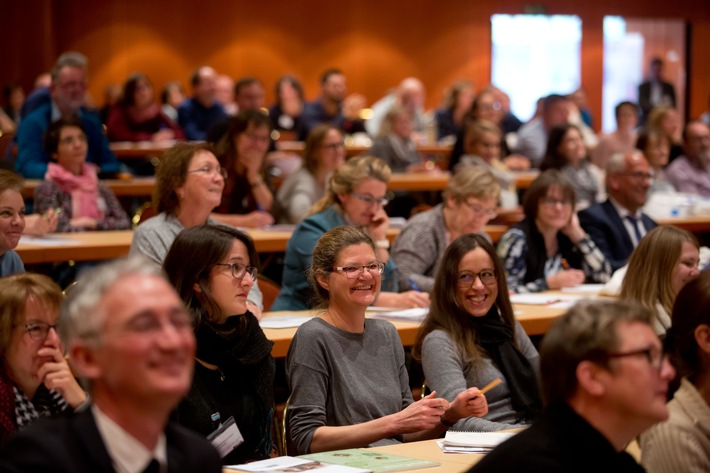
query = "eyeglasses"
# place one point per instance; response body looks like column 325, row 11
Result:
column 552, row 202
column 334, row 146
column 467, row 278
column 210, row 170
column 655, row 356
column 638, row 176
column 372, row 200
column 39, row 330
column 354, row 272
column 480, row 211
column 239, row 270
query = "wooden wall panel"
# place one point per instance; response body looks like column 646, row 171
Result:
column 376, row 42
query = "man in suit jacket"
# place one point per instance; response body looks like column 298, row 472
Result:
column 130, row 336
column 617, row 224
column 604, row 381
column 656, row 91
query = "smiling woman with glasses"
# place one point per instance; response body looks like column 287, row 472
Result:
column 35, row 379
column 363, row 398
column 682, row 442
column 356, row 195
column 470, row 337
column 234, row 370
column 323, row 154
column 469, row 202
column 549, row 249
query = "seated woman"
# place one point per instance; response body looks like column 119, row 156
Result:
column 549, row 249
column 247, row 198
column 71, row 186
column 483, row 148
column 137, row 117
column 234, row 373
column 355, row 196
column 656, row 148
column 364, row 398
column 665, row 260
column 285, row 114
column 35, row 379
column 469, row 203
column 188, row 186
column 323, row 154
column 682, row 443
column 12, row 222
column 470, row 337
column 171, row 97
column 666, row 119
column 451, row 117
column 394, row 144
column 567, row 153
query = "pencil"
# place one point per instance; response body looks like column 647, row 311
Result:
column 565, row 264
column 489, row 386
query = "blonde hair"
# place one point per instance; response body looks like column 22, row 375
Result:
column 352, row 173
column 649, row 275
column 388, row 122
column 472, row 181
column 477, row 128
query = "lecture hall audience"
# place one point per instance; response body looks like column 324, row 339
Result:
column 364, row 398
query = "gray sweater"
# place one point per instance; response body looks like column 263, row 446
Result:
column 448, row 373
column 340, row 378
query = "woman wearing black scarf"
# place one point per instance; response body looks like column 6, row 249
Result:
column 213, row 268
column 471, row 337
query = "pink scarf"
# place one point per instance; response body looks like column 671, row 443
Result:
column 83, row 189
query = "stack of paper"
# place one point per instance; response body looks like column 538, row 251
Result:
column 417, row 314
column 473, row 442
column 292, row 465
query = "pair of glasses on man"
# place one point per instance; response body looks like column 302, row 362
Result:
column 39, row 330
column 468, row 278
column 354, row 272
column 208, row 170
column 239, row 270
column 655, row 356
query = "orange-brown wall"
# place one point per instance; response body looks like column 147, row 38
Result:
column 376, row 42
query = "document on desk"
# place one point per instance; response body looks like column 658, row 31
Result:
column 369, row 460
column 543, row 298
column 591, row 289
column 417, row 314
column 284, row 321
column 473, row 442
column 293, row 465
column 47, row 240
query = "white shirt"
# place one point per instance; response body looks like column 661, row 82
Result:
column 127, row 454
column 623, row 213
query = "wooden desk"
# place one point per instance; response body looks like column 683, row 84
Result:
column 429, row 450
column 135, row 187
column 534, row 319
column 694, row 224
column 437, row 181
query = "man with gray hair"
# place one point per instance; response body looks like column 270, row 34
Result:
column 617, row 224
column 604, row 381
column 67, row 93
column 131, row 339
column 691, row 172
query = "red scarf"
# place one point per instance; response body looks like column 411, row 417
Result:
column 83, row 189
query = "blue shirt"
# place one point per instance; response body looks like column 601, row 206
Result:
column 196, row 120
column 10, row 263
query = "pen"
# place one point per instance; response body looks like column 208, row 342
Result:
column 413, row 285
column 489, row 386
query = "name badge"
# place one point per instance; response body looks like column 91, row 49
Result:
column 227, row 437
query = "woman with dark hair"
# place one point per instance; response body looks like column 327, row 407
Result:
column 470, row 337
column 285, row 114
column 72, row 186
column 549, row 249
column 451, row 116
column 137, row 117
column 323, row 154
column 247, row 197
column 682, row 443
column 234, row 373
column 362, row 398
column 567, row 153
column 35, row 379
column 12, row 222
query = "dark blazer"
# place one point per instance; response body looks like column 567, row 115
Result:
column 604, row 225
column 667, row 91
column 73, row 444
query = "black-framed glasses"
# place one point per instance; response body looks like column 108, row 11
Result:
column 372, row 200
column 39, row 330
column 209, row 170
column 354, row 272
column 655, row 356
column 239, row 270
column 467, row 278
